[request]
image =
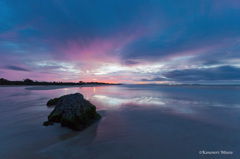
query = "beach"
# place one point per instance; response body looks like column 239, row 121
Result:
column 138, row 121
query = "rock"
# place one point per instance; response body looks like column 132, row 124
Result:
column 46, row 123
column 73, row 111
column 53, row 101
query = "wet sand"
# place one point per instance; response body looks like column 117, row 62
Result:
column 167, row 128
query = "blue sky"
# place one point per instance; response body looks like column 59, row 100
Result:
column 137, row 41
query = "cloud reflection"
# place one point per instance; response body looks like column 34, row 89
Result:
column 167, row 105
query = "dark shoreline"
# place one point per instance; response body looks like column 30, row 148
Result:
column 29, row 82
column 51, row 87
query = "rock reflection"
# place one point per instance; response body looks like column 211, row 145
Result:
column 81, row 137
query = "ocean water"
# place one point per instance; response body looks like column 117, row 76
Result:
column 139, row 122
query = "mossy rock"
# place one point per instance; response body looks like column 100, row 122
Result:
column 53, row 101
column 46, row 123
column 73, row 111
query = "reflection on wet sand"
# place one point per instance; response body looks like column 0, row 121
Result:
column 138, row 122
column 113, row 102
column 81, row 137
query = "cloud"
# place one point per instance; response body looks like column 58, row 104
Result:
column 129, row 62
column 85, row 36
column 17, row 68
column 222, row 73
column 198, row 35
column 154, row 79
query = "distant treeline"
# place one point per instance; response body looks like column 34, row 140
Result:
column 31, row 82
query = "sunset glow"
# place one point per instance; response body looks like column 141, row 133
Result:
column 140, row 42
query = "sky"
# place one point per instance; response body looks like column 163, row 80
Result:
column 121, row 41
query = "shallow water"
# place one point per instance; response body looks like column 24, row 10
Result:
column 139, row 121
